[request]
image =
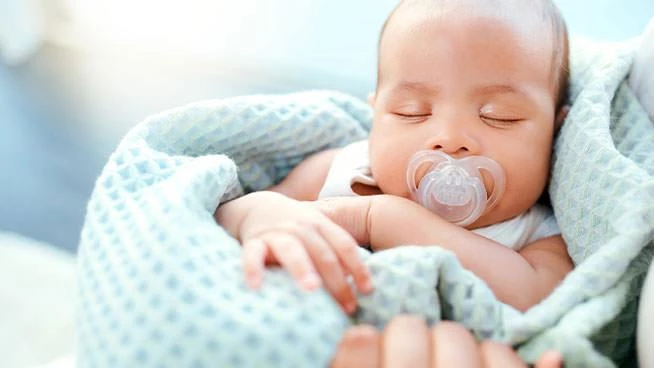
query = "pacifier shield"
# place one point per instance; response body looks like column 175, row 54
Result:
column 448, row 187
column 454, row 188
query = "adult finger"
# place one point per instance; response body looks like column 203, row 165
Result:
column 550, row 359
column 291, row 255
column 454, row 346
column 359, row 347
column 254, row 255
column 346, row 249
column 497, row 355
column 405, row 343
column 329, row 267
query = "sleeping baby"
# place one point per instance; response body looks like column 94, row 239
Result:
column 468, row 99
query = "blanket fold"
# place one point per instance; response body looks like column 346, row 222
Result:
column 161, row 284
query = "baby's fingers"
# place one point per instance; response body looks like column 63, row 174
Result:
column 292, row 256
column 346, row 249
column 254, row 255
column 330, row 268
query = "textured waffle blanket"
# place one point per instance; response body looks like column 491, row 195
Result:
column 161, row 283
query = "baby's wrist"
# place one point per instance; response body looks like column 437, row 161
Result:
column 234, row 214
column 350, row 213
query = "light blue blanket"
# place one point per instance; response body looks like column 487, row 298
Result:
column 161, row 283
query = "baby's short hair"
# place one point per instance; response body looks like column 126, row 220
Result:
column 561, row 48
column 561, row 54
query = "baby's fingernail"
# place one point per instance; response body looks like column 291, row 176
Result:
column 350, row 307
column 311, row 281
column 368, row 286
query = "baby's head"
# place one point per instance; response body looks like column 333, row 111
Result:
column 471, row 78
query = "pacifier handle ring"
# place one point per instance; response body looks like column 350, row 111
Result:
column 499, row 182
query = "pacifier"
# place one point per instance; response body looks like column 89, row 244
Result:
column 454, row 188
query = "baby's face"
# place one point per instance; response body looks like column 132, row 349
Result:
column 467, row 85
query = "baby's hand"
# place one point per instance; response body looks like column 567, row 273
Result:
column 300, row 238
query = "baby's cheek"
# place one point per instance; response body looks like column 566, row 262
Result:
column 390, row 177
column 527, row 188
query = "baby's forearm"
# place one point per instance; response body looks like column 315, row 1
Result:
column 514, row 280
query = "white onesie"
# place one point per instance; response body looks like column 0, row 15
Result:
column 351, row 165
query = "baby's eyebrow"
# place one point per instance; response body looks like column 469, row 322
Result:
column 518, row 91
column 501, row 89
column 410, row 86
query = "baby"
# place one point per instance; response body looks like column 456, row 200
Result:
column 469, row 96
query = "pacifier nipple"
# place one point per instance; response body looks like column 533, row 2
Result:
column 454, row 188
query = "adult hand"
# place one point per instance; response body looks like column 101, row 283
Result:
column 408, row 342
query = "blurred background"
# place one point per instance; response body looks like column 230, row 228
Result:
column 76, row 75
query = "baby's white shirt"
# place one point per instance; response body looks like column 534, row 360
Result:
column 351, row 165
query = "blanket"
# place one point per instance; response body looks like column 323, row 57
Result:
column 161, row 284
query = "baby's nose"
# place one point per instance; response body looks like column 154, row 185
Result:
column 453, row 141
column 450, row 148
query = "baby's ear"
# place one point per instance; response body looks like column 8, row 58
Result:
column 560, row 117
column 371, row 99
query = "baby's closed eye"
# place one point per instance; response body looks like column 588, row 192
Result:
column 411, row 111
column 501, row 114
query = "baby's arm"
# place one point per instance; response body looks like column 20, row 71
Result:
column 278, row 229
column 521, row 279
column 307, row 178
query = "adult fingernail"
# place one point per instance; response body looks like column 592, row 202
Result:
column 350, row 307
